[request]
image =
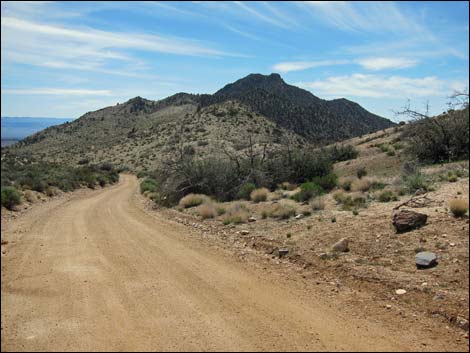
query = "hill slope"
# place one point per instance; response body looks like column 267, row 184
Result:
column 141, row 133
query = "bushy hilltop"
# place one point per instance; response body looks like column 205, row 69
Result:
column 252, row 112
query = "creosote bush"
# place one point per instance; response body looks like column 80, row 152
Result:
column 245, row 191
column 10, row 197
column 307, row 191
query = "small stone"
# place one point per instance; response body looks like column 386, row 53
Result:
column 400, row 291
column 388, row 306
column 244, row 232
column 342, row 245
column 252, row 219
column 424, row 284
column 299, row 216
column 425, row 259
column 452, row 244
column 283, row 252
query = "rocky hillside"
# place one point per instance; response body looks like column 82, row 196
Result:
column 318, row 120
column 255, row 111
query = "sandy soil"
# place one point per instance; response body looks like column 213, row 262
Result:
column 96, row 271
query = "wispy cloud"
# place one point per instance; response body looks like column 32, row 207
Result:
column 378, row 86
column 273, row 20
column 363, row 16
column 58, row 92
column 304, row 65
column 386, row 63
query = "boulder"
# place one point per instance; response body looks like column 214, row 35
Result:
column 406, row 220
column 342, row 245
column 425, row 259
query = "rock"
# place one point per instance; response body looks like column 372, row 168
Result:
column 244, row 232
column 462, row 323
column 252, row 219
column 388, row 306
column 283, row 252
column 425, row 259
column 400, row 291
column 299, row 216
column 406, row 220
column 342, row 245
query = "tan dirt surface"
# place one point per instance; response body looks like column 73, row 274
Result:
column 95, row 271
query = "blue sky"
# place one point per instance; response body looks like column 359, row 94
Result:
column 62, row 59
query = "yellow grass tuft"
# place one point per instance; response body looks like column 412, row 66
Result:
column 259, row 195
column 458, row 207
column 192, row 200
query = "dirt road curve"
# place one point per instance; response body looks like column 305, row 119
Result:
column 97, row 272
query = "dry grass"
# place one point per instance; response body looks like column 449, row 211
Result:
column 288, row 186
column 30, row 196
column 259, row 195
column 458, row 207
column 193, row 200
column 317, row 204
column 237, row 213
column 279, row 210
column 363, row 184
column 207, row 210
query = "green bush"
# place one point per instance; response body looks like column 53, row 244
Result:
column 415, row 182
column 245, row 191
column 326, row 182
column 361, row 172
column 387, row 196
column 10, row 197
column 307, row 191
column 149, row 185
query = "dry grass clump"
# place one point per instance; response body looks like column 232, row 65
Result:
column 236, row 214
column 207, row 210
column 317, row 204
column 259, row 195
column 350, row 201
column 458, row 207
column 193, row 200
column 345, row 183
column 52, row 191
column 278, row 210
column 30, row 196
column 363, row 184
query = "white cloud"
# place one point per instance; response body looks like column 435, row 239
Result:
column 377, row 86
column 363, row 16
column 304, row 65
column 269, row 19
column 386, row 63
column 58, row 92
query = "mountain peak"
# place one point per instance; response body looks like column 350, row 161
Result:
column 251, row 82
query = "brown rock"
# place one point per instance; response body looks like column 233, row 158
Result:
column 406, row 220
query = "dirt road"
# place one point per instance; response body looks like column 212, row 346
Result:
column 96, row 272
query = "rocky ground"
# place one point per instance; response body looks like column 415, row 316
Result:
column 378, row 274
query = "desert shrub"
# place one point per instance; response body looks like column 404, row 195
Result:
column 51, row 191
column 387, row 196
column 193, row 200
column 361, row 172
column 317, row 204
column 220, row 210
column 288, row 186
column 349, row 201
column 415, row 182
column 440, row 139
column 345, row 184
column 363, row 185
column 148, row 185
column 10, row 197
column 307, row 191
column 458, row 207
column 280, row 211
column 236, row 214
column 207, row 210
column 390, row 152
column 245, row 191
column 342, row 153
column 30, row 196
column 259, row 195
column 326, row 182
